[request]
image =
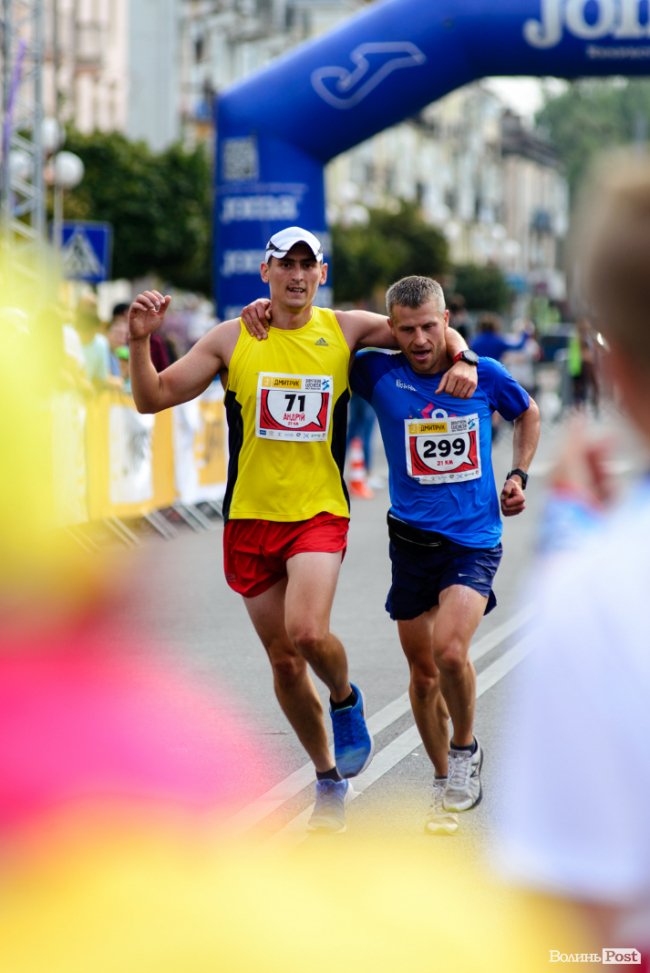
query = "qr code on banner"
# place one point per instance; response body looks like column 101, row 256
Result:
column 240, row 159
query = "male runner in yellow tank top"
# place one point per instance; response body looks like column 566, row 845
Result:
column 286, row 506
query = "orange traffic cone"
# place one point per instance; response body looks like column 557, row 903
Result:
column 357, row 481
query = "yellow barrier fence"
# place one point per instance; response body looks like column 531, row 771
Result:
column 111, row 462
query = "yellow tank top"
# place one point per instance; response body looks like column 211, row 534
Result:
column 286, row 404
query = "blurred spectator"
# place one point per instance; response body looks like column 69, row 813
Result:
column 490, row 343
column 122, row 356
column 171, row 347
column 95, row 347
column 159, row 353
column 458, row 316
column 577, row 774
column 162, row 349
column 583, row 366
column 522, row 363
column 118, row 335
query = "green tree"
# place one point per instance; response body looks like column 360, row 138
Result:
column 593, row 115
column 159, row 205
column 483, row 287
column 367, row 259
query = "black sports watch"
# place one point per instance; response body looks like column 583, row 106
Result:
column 522, row 476
column 469, row 357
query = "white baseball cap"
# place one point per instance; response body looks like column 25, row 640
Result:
column 281, row 242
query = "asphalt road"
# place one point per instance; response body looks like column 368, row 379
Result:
column 181, row 599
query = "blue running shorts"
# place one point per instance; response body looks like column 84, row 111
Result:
column 420, row 573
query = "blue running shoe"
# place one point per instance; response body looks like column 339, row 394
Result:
column 353, row 745
column 329, row 809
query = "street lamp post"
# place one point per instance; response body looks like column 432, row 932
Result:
column 67, row 172
column 64, row 170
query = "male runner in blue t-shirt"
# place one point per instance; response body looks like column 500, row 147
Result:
column 444, row 522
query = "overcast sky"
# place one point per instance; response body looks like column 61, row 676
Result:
column 524, row 95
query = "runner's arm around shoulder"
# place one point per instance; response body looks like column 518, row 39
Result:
column 525, row 438
column 367, row 329
column 185, row 378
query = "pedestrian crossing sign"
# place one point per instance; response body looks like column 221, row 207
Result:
column 86, row 250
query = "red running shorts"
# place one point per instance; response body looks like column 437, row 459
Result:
column 255, row 552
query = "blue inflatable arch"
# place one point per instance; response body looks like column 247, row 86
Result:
column 278, row 129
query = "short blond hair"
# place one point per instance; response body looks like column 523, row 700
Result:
column 413, row 292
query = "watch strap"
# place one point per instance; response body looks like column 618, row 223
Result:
column 470, row 359
column 521, row 474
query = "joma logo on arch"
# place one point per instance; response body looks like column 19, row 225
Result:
column 619, row 19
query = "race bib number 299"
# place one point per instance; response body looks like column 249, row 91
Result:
column 443, row 449
column 293, row 407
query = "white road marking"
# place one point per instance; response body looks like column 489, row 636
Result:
column 392, row 753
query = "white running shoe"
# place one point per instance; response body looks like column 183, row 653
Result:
column 329, row 809
column 463, row 789
column 439, row 820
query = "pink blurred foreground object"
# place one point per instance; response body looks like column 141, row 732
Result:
column 82, row 722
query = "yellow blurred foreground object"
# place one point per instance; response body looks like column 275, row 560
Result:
column 39, row 563
column 162, row 901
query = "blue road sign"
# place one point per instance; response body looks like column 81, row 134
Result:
column 86, row 250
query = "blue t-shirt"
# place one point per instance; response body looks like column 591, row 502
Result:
column 439, row 448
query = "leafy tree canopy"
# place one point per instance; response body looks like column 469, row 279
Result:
column 367, row 258
column 483, row 287
column 159, row 205
column 593, row 115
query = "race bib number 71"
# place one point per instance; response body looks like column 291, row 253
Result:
column 443, row 449
column 293, row 407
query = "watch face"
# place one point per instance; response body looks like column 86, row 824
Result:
column 470, row 357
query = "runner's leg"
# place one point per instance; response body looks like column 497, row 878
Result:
column 312, row 578
column 429, row 708
column 292, row 682
column 459, row 614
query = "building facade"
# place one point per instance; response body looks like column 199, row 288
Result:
column 479, row 173
column 114, row 65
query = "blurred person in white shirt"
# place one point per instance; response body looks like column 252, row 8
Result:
column 575, row 821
